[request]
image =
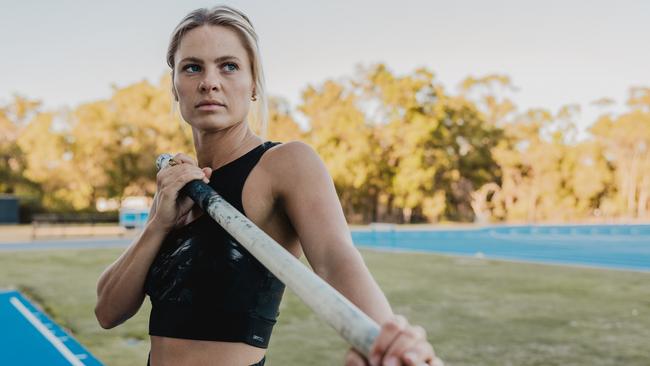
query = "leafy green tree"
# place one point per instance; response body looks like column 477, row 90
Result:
column 626, row 140
column 399, row 148
column 44, row 146
column 438, row 146
column 281, row 125
column 14, row 117
column 345, row 141
column 490, row 93
column 115, row 141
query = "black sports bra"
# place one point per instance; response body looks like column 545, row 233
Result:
column 204, row 285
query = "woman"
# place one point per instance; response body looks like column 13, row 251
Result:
column 212, row 302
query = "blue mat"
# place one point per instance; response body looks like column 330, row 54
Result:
column 29, row 337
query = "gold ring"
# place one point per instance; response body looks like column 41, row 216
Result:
column 173, row 162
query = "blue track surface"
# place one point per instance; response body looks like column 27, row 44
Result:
column 606, row 246
column 29, row 337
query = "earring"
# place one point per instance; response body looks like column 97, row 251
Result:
column 254, row 97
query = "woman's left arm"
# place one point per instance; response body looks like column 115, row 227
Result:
column 306, row 191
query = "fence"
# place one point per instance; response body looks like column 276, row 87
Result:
column 76, row 224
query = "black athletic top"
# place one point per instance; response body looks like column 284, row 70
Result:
column 204, row 285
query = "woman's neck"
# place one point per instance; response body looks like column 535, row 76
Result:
column 215, row 149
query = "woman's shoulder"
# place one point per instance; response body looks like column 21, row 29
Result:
column 291, row 150
column 293, row 161
column 291, row 153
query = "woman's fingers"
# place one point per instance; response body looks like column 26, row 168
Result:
column 171, row 175
column 208, row 172
column 169, row 208
column 409, row 338
column 183, row 158
column 418, row 354
column 354, row 358
column 389, row 331
column 187, row 177
column 400, row 343
column 185, row 163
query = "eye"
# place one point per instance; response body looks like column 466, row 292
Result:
column 230, row 67
column 192, row 68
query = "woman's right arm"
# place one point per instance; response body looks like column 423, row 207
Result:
column 120, row 289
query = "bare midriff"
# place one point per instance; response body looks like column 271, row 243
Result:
column 185, row 352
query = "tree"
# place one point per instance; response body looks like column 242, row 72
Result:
column 438, row 146
column 530, row 167
column 490, row 92
column 281, row 125
column 341, row 135
column 14, row 117
column 48, row 164
column 626, row 141
column 116, row 141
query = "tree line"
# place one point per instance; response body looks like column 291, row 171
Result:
column 400, row 148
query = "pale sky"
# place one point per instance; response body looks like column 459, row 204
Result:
column 66, row 52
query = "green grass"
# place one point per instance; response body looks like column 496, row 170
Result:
column 477, row 312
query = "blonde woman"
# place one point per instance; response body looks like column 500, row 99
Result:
column 212, row 302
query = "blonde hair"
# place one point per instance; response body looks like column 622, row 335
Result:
column 234, row 19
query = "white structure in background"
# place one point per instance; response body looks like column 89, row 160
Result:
column 107, row 204
column 134, row 211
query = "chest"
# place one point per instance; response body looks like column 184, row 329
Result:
column 263, row 209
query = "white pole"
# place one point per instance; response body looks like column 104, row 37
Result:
column 357, row 328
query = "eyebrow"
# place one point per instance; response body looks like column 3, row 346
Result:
column 216, row 60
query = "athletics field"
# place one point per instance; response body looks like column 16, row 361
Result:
column 477, row 311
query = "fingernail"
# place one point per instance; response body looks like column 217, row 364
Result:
column 391, row 361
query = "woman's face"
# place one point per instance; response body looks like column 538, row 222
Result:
column 212, row 78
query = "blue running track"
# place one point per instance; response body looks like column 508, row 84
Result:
column 606, row 246
column 29, row 337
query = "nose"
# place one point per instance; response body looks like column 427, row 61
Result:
column 209, row 83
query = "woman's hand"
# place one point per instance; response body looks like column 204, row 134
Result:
column 398, row 344
column 168, row 210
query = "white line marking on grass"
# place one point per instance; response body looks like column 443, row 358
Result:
column 65, row 351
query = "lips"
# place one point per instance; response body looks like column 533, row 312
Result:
column 208, row 103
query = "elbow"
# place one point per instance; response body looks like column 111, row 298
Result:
column 341, row 267
column 104, row 319
column 111, row 312
column 106, row 325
